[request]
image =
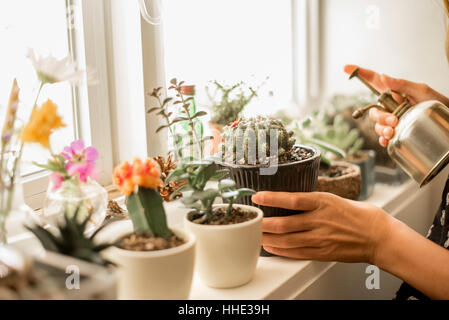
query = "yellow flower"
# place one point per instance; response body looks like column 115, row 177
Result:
column 43, row 122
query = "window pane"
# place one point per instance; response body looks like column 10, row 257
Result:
column 231, row 41
column 42, row 26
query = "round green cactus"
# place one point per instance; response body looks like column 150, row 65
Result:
column 256, row 140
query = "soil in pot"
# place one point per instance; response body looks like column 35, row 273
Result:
column 144, row 242
column 342, row 179
column 334, row 171
column 237, row 215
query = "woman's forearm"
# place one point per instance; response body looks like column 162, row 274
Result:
column 416, row 260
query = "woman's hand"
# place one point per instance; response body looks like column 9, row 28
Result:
column 331, row 229
column 416, row 92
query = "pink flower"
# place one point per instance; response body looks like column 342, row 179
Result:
column 76, row 152
column 83, row 170
column 56, row 179
column 80, row 160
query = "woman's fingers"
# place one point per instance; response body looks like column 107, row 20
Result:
column 295, row 223
column 289, row 240
column 383, row 118
column 297, row 253
column 286, row 200
column 384, row 142
column 384, row 131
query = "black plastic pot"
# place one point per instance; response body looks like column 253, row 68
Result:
column 300, row 176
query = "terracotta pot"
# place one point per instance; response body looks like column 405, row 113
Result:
column 347, row 186
column 151, row 275
column 216, row 131
column 227, row 254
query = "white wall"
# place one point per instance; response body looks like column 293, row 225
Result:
column 409, row 42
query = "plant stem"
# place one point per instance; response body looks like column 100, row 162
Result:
column 229, row 208
column 4, row 211
column 191, row 124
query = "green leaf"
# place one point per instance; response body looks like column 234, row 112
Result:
column 166, row 100
column 199, row 114
column 175, row 175
column 220, row 174
column 204, row 175
column 160, row 128
column 181, row 189
column 226, row 183
column 245, row 192
column 179, row 119
column 327, row 146
column 230, row 194
column 153, row 109
column 47, row 239
column 154, row 212
column 137, row 214
column 205, row 195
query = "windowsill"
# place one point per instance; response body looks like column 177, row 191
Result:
column 282, row 278
column 275, row 277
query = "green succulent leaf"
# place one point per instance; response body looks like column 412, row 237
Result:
column 226, row 183
column 154, row 212
column 137, row 214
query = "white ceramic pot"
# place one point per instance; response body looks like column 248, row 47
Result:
column 227, row 255
column 164, row 274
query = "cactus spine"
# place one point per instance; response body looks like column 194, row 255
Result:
column 256, row 141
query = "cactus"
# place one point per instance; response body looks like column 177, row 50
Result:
column 250, row 141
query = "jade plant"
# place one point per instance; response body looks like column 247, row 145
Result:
column 254, row 140
column 72, row 239
column 340, row 134
column 138, row 181
column 309, row 132
column 165, row 110
column 228, row 102
column 198, row 174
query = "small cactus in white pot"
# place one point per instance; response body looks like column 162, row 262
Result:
column 228, row 235
column 154, row 261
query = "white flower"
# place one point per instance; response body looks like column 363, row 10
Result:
column 51, row 70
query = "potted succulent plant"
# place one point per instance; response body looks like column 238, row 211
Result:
column 227, row 105
column 228, row 235
column 387, row 170
column 338, row 177
column 261, row 154
column 340, row 134
column 154, row 261
column 71, row 244
column 335, row 131
column 49, row 277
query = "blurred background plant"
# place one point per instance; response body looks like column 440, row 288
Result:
column 314, row 130
column 229, row 101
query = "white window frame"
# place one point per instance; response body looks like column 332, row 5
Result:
column 135, row 52
column 92, row 119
